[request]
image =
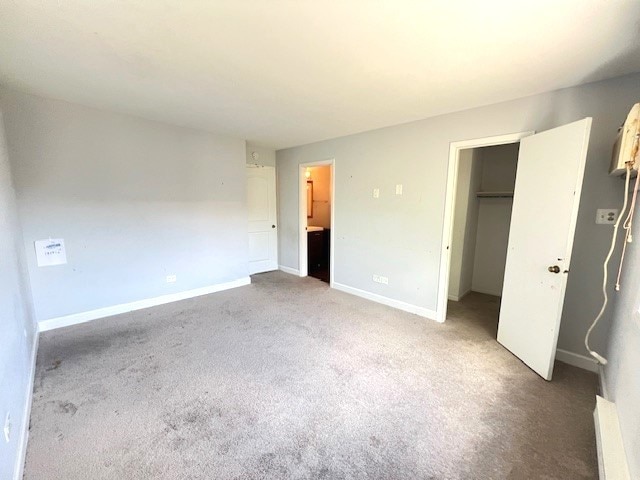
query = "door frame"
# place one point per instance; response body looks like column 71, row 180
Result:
column 302, row 216
column 449, row 207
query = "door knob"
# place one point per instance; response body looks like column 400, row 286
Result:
column 273, row 226
column 554, row 269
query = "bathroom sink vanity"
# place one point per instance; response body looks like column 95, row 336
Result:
column 318, row 245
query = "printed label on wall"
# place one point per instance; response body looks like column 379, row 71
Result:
column 50, row 252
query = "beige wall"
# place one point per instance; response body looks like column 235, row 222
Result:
column 321, row 177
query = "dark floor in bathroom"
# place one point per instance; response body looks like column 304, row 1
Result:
column 321, row 274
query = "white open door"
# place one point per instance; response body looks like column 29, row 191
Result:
column 543, row 221
column 261, row 205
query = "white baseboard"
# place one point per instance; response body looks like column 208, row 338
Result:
column 612, row 460
column 82, row 317
column 24, row 427
column 493, row 293
column 292, row 271
column 457, row 298
column 407, row 307
column 580, row 361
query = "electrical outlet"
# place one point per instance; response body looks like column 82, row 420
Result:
column 381, row 279
column 171, row 279
column 7, row 428
column 607, row 216
column 399, row 189
column 376, row 193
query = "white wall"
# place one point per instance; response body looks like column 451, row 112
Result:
column 465, row 223
column 134, row 200
column 494, row 218
column 321, row 177
column 622, row 373
column 402, row 235
column 17, row 328
column 266, row 156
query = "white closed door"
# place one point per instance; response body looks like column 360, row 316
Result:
column 543, row 220
column 261, row 205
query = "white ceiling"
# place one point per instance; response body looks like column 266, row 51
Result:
column 283, row 73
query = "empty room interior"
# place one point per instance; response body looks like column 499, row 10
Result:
column 339, row 240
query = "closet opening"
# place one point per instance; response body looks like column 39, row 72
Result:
column 484, row 192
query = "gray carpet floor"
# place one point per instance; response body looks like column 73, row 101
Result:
column 287, row 378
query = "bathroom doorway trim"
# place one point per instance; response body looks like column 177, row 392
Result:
column 302, row 217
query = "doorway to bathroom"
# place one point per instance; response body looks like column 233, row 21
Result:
column 316, row 233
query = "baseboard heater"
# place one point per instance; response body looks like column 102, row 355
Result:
column 612, row 461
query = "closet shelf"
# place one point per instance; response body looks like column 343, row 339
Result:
column 494, row 194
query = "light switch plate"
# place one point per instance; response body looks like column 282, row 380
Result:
column 399, row 189
column 607, row 216
column 376, row 193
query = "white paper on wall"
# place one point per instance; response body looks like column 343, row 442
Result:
column 50, row 252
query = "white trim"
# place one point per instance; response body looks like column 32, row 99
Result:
column 374, row 297
column 612, row 460
column 24, row 428
column 302, row 216
column 450, row 198
column 302, row 222
column 577, row 360
column 493, row 293
column 603, row 384
column 82, row 317
column 457, row 298
column 292, row 271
